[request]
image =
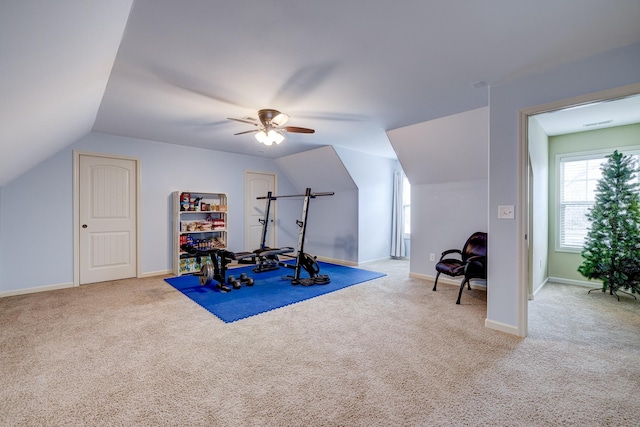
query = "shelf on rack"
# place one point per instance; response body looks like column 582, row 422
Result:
column 217, row 230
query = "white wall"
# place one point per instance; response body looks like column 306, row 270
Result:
column 446, row 162
column 332, row 230
column 374, row 178
column 609, row 70
column 36, row 216
column 443, row 216
column 1, row 233
column 539, row 210
column 36, row 242
column 354, row 225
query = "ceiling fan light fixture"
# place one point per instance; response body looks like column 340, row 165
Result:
column 268, row 138
column 271, row 127
column 262, row 137
column 274, row 136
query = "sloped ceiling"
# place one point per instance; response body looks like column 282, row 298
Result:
column 55, row 61
column 320, row 169
column 352, row 70
column 448, row 149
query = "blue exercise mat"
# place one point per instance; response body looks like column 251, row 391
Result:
column 270, row 290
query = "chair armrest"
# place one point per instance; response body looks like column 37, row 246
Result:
column 450, row 251
column 477, row 259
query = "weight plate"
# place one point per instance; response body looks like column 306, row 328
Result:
column 206, row 274
column 310, row 265
column 321, row 279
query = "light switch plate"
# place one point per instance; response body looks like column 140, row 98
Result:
column 506, row 212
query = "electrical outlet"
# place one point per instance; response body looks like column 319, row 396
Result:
column 432, row 257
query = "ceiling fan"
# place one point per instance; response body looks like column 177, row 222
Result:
column 271, row 124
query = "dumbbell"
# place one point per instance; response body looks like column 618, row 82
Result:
column 235, row 283
column 246, row 279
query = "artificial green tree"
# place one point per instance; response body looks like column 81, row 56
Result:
column 612, row 247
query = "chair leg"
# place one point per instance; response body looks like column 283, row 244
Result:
column 436, row 282
column 465, row 280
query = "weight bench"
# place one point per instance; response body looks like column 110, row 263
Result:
column 267, row 258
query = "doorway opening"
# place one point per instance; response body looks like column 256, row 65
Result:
column 534, row 176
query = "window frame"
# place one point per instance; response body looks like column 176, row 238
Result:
column 406, row 206
column 559, row 182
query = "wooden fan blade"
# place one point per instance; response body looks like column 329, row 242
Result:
column 296, row 129
column 247, row 131
column 243, row 121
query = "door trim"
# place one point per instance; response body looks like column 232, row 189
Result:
column 523, row 184
column 76, row 210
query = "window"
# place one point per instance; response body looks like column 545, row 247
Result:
column 406, row 206
column 578, row 178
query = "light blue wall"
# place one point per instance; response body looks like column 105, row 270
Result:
column 374, row 179
column 609, row 70
column 36, row 242
column 539, row 209
column 1, row 233
column 332, row 230
column 36, row 209
column 38, row 229
column 443, row 216
column 446, row 162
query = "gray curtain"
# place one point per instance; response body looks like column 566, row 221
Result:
column 397, row 217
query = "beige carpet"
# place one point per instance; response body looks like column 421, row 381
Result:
column 388, row 352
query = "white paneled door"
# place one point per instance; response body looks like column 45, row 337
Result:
column 258, row 184
column 107, row 218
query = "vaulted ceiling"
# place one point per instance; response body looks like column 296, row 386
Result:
column 174, row 71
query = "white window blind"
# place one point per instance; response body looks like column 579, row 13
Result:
column 578, row 180
column 579, row 176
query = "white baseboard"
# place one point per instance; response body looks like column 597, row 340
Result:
column 583, row 283
column 502, row 327
column 381, row 259
column 475, row 284
column 155, row 273
column 337, row 261
column 535, row 291
column 68, row 285
column 433, row 278
column 36, row 289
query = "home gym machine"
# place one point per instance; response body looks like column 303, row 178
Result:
column 266, row 257
column 303, row 260
column 216, row 269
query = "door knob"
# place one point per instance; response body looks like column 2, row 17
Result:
column 84, row 225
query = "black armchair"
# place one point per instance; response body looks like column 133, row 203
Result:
column 472, row 263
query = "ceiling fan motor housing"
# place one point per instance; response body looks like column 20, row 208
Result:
column 270, row 117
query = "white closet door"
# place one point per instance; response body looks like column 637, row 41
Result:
column 107, row 218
